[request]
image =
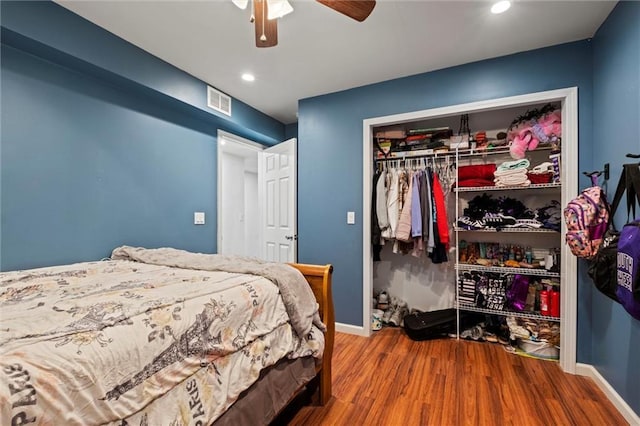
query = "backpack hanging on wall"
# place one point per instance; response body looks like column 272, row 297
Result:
column 628, row 258
column 603, row 268
column 587, row 218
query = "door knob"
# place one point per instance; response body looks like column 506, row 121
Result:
column 291, row 237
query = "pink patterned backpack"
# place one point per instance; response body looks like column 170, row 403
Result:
column 587, row 218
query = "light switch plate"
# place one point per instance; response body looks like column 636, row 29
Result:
column 198, row 218
column 351, row 218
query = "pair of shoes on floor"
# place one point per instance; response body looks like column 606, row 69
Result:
column 383, row 301
column 490, row 337
column 397, row 317
column 474, row 333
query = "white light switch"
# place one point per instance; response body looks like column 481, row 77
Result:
column 198, row 218
column 351, row 218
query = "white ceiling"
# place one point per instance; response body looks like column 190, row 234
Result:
column 320, row 51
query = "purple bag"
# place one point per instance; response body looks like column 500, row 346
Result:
column 628, row 290
column 517, row 294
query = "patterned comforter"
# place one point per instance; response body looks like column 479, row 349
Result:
column 126, row 342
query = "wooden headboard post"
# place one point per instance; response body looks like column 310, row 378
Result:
column 319, row 278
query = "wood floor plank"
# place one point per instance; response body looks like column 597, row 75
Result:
column 388, row 379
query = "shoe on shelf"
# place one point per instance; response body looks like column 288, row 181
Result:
column 498, row 220
column 465, row 222
column 525, row 223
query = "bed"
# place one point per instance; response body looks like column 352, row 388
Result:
column 163, row 337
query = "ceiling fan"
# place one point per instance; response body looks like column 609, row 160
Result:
column 265, row 14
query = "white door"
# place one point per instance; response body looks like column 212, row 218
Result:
column 277, row 174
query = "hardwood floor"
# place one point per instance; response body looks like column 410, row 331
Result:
column 389, row 379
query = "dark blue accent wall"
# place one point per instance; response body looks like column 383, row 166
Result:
column 102, row 144
column 330, row 146
column 616, row 116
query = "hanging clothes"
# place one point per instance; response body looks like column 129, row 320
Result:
column 431, row 240
column 381, row 203
column 425, row 206
column 416, row 216
column 392, row 204
column 376, row 234
column 403, row 187
column 403, row 232
column 439, row 253
column 409, row 209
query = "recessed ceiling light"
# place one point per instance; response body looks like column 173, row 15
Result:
column 248, row 77
column 501, row 6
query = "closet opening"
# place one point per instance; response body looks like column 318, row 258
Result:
column 428, row 286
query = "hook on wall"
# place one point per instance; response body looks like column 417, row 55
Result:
column 598, row 173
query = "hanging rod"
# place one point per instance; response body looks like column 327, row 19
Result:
column 404, row 157
column 460, row 153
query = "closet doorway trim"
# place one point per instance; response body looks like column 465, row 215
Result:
column 568, row 97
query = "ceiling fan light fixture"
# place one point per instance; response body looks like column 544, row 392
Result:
column 278, row 8
column 242, row 4
column 500, row 7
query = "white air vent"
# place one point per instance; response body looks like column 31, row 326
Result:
column 218, row 101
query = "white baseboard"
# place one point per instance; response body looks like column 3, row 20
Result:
column 351, row 329
column 589, row 370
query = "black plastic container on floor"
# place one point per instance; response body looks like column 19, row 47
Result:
column 430, row 325
column 440, row 323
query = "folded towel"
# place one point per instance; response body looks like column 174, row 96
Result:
column 517, row 182
column 511, row 172
column 516, row 164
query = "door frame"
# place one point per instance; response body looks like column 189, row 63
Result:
column 223, row 139
column 569, row 189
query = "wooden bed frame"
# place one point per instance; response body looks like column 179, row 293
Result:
column 319, row 278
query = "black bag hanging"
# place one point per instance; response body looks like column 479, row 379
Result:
column 603, row 267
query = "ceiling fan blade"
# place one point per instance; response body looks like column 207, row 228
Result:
column 266, row 29
column 355, row 9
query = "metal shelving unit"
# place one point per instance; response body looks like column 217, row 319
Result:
column 507, row 270
column 535, row 186
column 515, row 234
column 529, row 315
column 536, row 230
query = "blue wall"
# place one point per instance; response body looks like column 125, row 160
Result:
column 616, row 114
column 102, row 144
column 52, row 32
column 330, row 147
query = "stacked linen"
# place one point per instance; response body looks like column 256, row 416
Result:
column 512, row 173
